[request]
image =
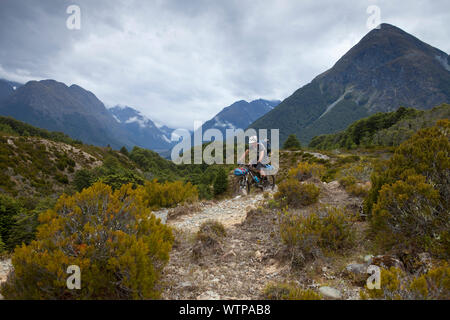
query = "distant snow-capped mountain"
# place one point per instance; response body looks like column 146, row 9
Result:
column 239, row 115
column 142, row 130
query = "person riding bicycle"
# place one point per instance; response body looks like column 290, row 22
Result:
column 261, row 152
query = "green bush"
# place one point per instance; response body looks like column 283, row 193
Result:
column 323, row 231
column 168, row 194
column 124, row 151
column 409, row 196
column 209, row 238
column 210, row 232
column 397, row 285
column 83, row 178
column 220, row 182
column 292, row 143
column 120, row 247
column 288, row 291
column 305, row 171
column 406, row 217
column 296, row 194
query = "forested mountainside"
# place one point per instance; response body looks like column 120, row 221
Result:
column 382, row 129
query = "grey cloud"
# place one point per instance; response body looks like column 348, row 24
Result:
column 179, row 61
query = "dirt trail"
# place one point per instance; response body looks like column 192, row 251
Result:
column 229, row 212
column 240, row 269
column 248, row 258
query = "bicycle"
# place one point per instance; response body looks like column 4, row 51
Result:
column 249, row 177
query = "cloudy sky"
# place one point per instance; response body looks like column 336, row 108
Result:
column 180, row 61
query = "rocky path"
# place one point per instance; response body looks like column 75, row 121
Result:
column 229, row 212
column 239, row 270
column 249, row 257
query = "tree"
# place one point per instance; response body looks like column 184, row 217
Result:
column 9, row 209
column 120, row 247
column 124, row 151
column 292, row 143
column 83, row 179
column 220, row 182
column 2, row 246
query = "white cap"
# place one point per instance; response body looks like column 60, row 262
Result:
column 253, row 139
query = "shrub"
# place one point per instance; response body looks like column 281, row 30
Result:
column 296, row 194
column 354, row 188
column 120, row 247
column 124, row 151
column 62, row 178
column 434, row 285
column 323, row 231
column 168, row 194
column 347, row 181
column 292, row 143
column 220, row 182
column 121, row 177
column 209, row 237
column 417, row 177
column 287, row 291
column 210, row 231
column 358, row 190
column 406, row 217
column 83, row 179
column 305, row 170
column 396, row 285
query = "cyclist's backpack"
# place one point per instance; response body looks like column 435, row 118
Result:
column 240, row 171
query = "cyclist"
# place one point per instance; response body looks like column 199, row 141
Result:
column 261, row 152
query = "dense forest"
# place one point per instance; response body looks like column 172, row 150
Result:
column 382, row 129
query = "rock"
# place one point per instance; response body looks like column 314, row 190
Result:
column 209, row 295
column 356, row 268
column 357, row 272
column 387, row 261
column 185, row 284
column 418, row 264
column 330, row 292
column 424, row 260
column 162, row 214
column 229, row 254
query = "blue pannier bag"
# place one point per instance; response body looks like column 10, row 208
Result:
column 268, row 168
column 240, row 171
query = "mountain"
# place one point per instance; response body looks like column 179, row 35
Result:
column 73, row 110
column 239, row 115
column 7, row 88
column 387, row 69
column 382, row 129
column 141, row 130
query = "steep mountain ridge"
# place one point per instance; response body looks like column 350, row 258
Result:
column 387, row 69
column 73, row 110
